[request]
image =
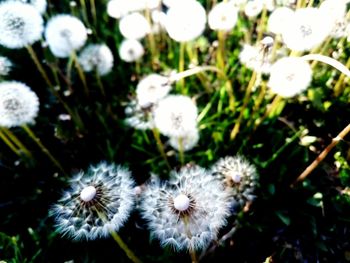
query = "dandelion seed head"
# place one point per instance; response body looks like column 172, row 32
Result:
column 187, row 142
column 65, row 34
column 290, row 76
column 176, row 115
column 255, row 59
column 97, row 57
column 279, row 19
column 253, row 8
column 187, row 211
column 99, row 201
column 5, row 66
column 239, row 177
column 306, row 29
column 151, row 89
column 134, row 26
column 20, row 24
column 139, row 117
column 131, row 50
column 39, row 5
column 185, row 22
column 223, row 16
column 19, row 105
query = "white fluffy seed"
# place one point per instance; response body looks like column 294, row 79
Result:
column 181, row 202
column 88, row 193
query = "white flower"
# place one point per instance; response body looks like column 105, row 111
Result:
column 131, row 50
column 253, row 8
column 185, row 22
column 65, row 34
column 187, row 211
column 119, row 8
column 5, row 66
column 239, row 177
column 170, row 3
column 97, row 203
column 176, row 115
column 223, row 16
column 39, row 5
column 187, row 142
column 290, row 76
column 20, row 24
column 151, row 89
column 255, row 59
column 96, row 57
column 306, row 29
column 139, row 117
column 279, row 19
column 333, row 9
column 134, row 26
column 19, row 105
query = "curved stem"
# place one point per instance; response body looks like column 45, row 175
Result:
column 330, row 61
column 9, row 144
column 160, row 147
column 125, row 248
column 16, row 141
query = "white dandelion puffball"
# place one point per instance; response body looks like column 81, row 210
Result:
column 239, row 176
column 98, row 202
column 65, row 34
column 187, row 211
column 185, row 143
column 117, row 8
column 19, row 105
column 254, row 59
column 290, row 76
column 306, row 29
column 279, row 19
column 5, row 66
column 223, row 16
column 333, row 9
column 131, row 50
column 151, row 89
column 20, row 24
column 253, row 8
column 139, row 117
column 176, row 115
column 97, row 57
column 134, row 26
column 39, row 5
column 170, row 3
column 185, row 22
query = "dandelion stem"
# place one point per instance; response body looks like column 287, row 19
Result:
column 235, row 129
column 9, row 143
column 151, row 40
column 322, row 155
column 181, row 151
column 39, row 66
column 160, row 146
column 100, row 84
column 43, row 148
column 182, row 65
column 80, row 72
column 84, row 11
column 125, row 248
column 93, row 12
column 16, row 141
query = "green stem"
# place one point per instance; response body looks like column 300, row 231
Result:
column 80, row 72
column 182, row 65
column 10, row 144
column 16, row 141
column 181, row 151
column 125, row 248
column 84, row 11
column 100, row 84
column 39, row 66
column 43, row 148
column 93, row 12
column 160, row 146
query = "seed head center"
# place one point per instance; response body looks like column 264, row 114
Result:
column 88, row 193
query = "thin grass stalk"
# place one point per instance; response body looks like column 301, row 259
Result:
column 160, row 146
column 181, row 151
column 125, row 248
column 269, row 112
column 93, row 12
column 16, row 141
column 84, row 11
column 182, row 65
column 42, row 147
column 151, row 40
column 80, row 73
column 99, row 83
column 9, row 144
column 35, row 59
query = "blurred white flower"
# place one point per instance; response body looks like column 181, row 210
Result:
column 185, row 22
column 134, row 26
column 39, row 5
column 96, row 57
column 5, row 66
column 119, row 8
column 223, row 16
column 187, row 142
column 255, row 59
column 170, row 3
column 131, row 50
column 290, row 76
column 253, row 8
column 279, row 19
column 306, row 29
column 187, row 212
column 65, row 34
column 19, row 105
column 98, row 202
column 239, row 177
column 139, row 117
column 20, row 24
column 151, row 89
column 176, row 115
